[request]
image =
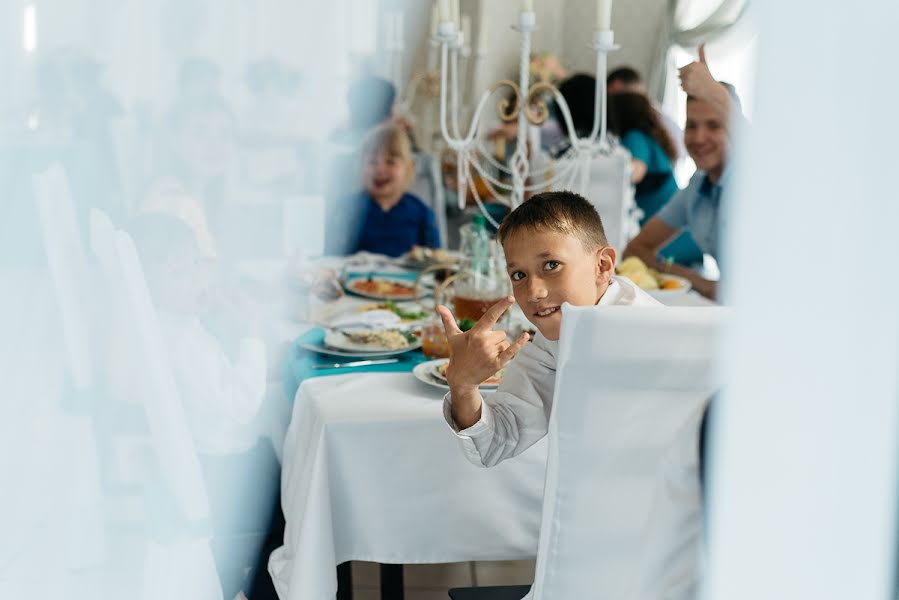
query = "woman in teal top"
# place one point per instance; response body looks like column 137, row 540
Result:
column 633, row 119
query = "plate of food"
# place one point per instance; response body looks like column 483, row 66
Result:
column 656, row 284
column 433, row 372
column 336, row 343
column 409, row 314
column 421, row 258
column 372, row 341
column 382, row 288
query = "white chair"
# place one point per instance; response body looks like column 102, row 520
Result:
column 621, row 509
column 611, row 192
column 70, row 280
column 184, row 566
column 68, row 270
column 428, row 186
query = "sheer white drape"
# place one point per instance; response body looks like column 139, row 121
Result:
column 804, row 480
column 689, row 23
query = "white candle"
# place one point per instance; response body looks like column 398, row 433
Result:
column 398, row 31
column 466, row 29
column 388, row 31
column 527, row 5
column 455, row 15
column 435, row 19
column 445, row 11
column 603, row 15
column 480, row 47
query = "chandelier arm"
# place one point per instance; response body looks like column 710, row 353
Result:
column 489, row 181
column 443, row 130
column 411, row 92
column 481, row 207
column 538, row 183
column 476, row 118
column 454, row 87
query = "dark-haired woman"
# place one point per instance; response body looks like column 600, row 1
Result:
column 633, row 119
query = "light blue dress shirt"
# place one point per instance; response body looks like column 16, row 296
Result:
column 697, row 207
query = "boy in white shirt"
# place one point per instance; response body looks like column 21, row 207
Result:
column 556, row 252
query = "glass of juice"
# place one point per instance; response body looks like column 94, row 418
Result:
column 433, row 339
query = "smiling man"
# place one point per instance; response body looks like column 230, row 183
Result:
column 696, row 207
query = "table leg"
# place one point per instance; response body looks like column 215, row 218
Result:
column 391, row 582
column 345, row 581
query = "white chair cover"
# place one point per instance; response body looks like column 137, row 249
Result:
column 183, row 566
column 610, row 190
column 81, row 530
column 428, row 186
column 621, row 513
column 165, row 413
column 68, row 269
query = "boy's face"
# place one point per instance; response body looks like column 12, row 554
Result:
column 385, row 176
column 548, row 268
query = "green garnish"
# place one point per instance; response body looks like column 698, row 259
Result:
column 466, row 324
column 405, row 315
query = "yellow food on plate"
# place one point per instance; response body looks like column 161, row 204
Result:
column 671, row 284
column 644, row 280
column 632, row 264
column 648, row 279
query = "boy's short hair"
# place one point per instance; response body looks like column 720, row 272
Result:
column 562, row 212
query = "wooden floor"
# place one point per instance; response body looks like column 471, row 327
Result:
column 431, row 582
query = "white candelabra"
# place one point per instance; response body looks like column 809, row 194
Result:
column 527, row 107
column 424, row 83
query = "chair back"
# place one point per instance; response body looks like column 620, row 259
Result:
column 428, row 187
column 68, row 270
column 155, row 384
column 609, row 189
column 621, row 513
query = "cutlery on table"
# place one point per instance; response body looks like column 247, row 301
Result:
column 357, row 363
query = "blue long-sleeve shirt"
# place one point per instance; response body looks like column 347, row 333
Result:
column 408, row 223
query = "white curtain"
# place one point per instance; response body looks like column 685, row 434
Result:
column 690, row 23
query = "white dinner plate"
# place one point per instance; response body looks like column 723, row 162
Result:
column 426, row 372
column 336, row 339
column 685, row 286
column 321, row 348
column 349, row 286
column 358, row 316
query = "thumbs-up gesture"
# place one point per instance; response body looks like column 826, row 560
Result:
column 479, row 353
column 697, row 80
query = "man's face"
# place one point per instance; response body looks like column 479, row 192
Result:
column 706, row 137
column 548, row 268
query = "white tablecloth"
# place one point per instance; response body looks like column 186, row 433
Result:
column 371, row 472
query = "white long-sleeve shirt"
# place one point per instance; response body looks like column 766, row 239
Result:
column 221, row 396
column 516, row 416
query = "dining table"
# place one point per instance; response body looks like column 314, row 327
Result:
column 372, row 472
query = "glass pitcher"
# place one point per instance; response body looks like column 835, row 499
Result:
column 481, row 280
